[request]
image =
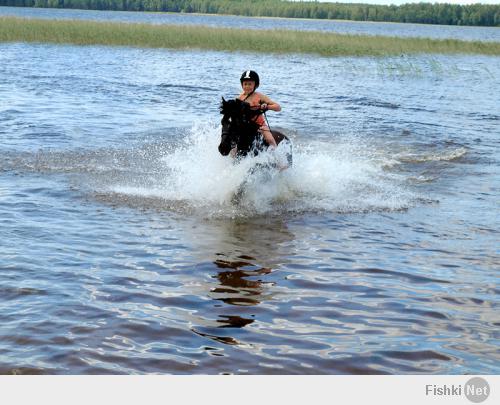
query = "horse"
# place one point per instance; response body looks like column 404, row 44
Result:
column 240, row 131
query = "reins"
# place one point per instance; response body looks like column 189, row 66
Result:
column 267, row 122
column 263, row 112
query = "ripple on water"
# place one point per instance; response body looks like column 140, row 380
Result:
column 122, row 252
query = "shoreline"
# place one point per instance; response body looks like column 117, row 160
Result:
column 264, row 17
column 271, row 17
column 314, row 19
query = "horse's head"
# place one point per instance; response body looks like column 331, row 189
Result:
column 237, row 125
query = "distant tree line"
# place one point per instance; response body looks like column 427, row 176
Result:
column 437, row 13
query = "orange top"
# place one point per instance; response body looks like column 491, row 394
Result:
column 254, row 104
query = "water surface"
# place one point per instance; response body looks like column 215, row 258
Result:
column 121, row 251
column 302, row 24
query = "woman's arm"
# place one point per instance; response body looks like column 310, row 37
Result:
column 269, row 104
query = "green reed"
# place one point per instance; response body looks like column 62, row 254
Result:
column 226, row 39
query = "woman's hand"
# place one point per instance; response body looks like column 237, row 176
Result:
column 264, row 107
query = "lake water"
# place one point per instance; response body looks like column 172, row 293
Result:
column 340, row 26
column 121, row 251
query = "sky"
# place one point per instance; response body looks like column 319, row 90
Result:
column 398, row 2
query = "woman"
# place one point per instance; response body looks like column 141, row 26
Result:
column 249, row 83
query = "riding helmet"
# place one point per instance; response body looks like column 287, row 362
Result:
column 250, row 75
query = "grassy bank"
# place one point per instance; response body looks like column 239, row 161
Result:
column 226, row 39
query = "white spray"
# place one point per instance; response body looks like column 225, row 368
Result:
column 340, row 177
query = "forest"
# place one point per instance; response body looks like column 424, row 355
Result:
column 425, row 13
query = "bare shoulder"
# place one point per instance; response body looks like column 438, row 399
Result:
column 263, row 98
column 260, row 95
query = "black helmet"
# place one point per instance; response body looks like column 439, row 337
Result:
column 250, row 75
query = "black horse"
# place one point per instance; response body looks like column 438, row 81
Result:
column 240, row 130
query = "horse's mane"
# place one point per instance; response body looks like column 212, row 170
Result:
column 237, row 107
column 240, row 129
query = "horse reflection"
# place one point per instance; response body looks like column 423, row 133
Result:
column 234, row 288
column 246, row 253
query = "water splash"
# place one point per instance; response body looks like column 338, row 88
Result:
column 342, row 177
column 186, row 174
column 439, row 156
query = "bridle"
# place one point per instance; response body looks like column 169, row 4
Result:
column 237, row 122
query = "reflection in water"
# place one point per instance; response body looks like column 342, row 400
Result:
column 247, row 255
column 222, row 339
column 235, row 289
column 234, row 321
column 264, row 242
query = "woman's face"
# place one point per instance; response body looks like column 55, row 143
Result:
column 248, row 86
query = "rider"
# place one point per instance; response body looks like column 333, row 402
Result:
column 249, row 83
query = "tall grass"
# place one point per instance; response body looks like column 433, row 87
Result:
column 227, row 39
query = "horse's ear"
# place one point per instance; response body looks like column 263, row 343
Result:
column 222, row 104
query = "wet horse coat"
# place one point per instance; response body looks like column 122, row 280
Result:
column 240, row 131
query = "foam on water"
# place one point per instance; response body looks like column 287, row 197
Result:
column 444, row 156
column 340, row 176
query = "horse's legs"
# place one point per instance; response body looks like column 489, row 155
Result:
column 280, row 137
column 268, row 136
